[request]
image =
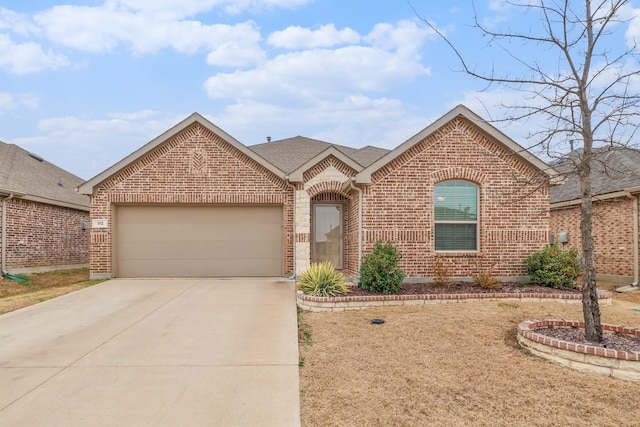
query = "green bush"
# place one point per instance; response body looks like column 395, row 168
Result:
column 553, row 267
column 322, row 280
column 380, row 272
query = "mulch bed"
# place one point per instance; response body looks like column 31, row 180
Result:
column 612, row 341
column 468, row 288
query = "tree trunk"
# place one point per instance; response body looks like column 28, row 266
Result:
column 590, row 304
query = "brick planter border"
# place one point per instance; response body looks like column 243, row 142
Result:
column 591, row 358
column 342, row 303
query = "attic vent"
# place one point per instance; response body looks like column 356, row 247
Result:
column 268, row 139
column 35, row 156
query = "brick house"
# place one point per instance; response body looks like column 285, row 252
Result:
column 616, row 188
column 197, row 202
column 45, row 221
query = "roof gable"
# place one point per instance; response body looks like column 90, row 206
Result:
column 298, row 174
column 30, row 177
column 89, row 186
column 292, row 153
column 364, row 176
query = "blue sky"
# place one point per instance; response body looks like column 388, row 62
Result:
column 83, row 83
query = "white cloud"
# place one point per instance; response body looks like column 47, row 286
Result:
column 300, row 76
column 86, row 147
column 29, row 57
column 184, row 8
column 18, row 23
column 393, row 58
column 632, row 34
column 327, row 93
column 406, row 37
column 103, row 29
column 353, row 121
column 29, row 100
column 7, row 102
column 295, row 37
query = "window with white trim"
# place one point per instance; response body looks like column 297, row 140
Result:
column 456, row 216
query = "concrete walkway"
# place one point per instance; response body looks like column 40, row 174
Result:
column 180, row 352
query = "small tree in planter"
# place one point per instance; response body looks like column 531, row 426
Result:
column 380, row 272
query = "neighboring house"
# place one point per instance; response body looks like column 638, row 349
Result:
column 45, row 221
column 615, row 178
column 196, row 202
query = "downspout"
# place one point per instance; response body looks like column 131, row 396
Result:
column 359, row 190
column 4, row 234
column 635, row 242
column 293, row 187
column 636, row 281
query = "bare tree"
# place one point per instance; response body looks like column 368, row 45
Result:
column 584, row 91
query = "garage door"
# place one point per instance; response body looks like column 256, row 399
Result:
column 198, row 241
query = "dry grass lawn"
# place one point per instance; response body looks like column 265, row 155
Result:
column 40, row 287
column 454, row 365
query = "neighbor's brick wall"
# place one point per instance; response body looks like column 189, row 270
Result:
column 43, row 235
column 193, row 167
column 398, row 206
column 612, row 233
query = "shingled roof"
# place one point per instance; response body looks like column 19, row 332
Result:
column 612, row 170
column 291, row 153
column 28, row 176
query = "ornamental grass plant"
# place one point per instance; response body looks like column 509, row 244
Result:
column 322, row 280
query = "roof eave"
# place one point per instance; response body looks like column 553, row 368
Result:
column 88, row 187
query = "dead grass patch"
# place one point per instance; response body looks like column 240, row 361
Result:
column 41, row 287
column 450, row 365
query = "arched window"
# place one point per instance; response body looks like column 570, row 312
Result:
column 456, row 216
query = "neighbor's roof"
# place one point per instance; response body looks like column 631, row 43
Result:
column 291, row 153
column 28, row 176
column 612, row 171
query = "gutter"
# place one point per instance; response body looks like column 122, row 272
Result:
column 4, row 233
column 636, row 258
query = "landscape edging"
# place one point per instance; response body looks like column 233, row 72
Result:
column 360, row 302
column 583, row 357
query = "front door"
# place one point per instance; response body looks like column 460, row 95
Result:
column 327, row 233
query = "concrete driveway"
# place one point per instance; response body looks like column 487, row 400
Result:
column 175, row 352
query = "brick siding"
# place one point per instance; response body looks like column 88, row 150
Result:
column 197, row 167
column 43, row 235
column 612, row 233
column 193, row 167
column 513, row 216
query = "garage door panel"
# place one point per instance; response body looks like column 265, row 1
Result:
column 223, row 268
column 200, row 250
column 198, row 241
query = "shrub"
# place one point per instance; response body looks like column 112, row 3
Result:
column 441, row 273
column 322, row 280
column 485, row 278
column 380, row 272
column 553, row 267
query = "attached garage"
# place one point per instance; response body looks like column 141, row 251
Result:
column 198, row 241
